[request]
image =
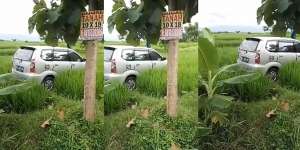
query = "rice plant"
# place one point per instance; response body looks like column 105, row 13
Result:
column 289, row 75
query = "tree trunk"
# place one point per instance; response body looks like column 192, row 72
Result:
column 90, row 78
column 172, row 96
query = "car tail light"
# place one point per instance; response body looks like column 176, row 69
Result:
column 113, row 66
column 32, row 67
column 257, row 58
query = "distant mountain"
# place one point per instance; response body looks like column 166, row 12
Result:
column 19, row 37
column 229, row 28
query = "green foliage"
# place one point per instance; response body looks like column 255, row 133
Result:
column 117, row 97
column 59, row 21
column 281, row 15
column 74, row 133
column 282, row 133
column 159, row 131
column 142, row 21
column 26, row 100
column 191, row 33
column 289, row 75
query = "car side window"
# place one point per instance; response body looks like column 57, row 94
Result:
column 154, row 55
column 297, row 46
column 141, row 55
column 60, row 55
column 74, row 57
column 47, row 55
column 271, row 46
column 128, row 55
column 286, row 47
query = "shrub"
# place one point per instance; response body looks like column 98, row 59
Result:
column 74, row 133
column 28, row 100
column 118, row 98
column 159, row 131
column 289, row 75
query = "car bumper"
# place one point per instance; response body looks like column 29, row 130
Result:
column 252, row 67
column 112, row 77
column 27, row 76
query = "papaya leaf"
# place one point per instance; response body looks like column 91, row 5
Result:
column 242, row 78
column 221, row 101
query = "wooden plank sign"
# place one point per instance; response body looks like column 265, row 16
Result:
column 171, row 25
column 92, row 25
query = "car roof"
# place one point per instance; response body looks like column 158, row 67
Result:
column 274, row 38
column 48, row 47
column 126, row 47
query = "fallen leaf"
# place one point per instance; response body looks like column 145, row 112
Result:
column 271, row 114
column 130, row 123
column 61, row 114
column 145, row 113
column 284, row 106
column 46, row 123
column 174, row 147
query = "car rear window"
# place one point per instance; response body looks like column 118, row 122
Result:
column 249, row 44
column 24, row 53
column 108, row 52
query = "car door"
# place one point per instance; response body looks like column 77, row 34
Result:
column 76, row 61
column 157, row 60
column 60, row 60
column 142, row 60
column 286, row 52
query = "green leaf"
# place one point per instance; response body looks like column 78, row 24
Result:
column 283, row 5
column 208, row 55
column 15, row 88
column 53, row 15
column 203, row 131
column 218, row 117
column 133, row 15
column 221, row 101
column 242, row 78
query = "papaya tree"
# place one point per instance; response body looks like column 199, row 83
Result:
column 142, row 22
column 280, row 15
column 61, row 21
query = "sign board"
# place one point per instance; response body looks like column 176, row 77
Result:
column 171, row 25
column 92, row 25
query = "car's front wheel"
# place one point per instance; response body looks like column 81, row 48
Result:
column 48, row 82
column 273, row 74
column 130, row 83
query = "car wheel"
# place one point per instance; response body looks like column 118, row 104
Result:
column 130, row 83
column 273, row 74
column 48, row 83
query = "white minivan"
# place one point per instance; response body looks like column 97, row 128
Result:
column 268, row 54
column 42, row 63
column 124, row 63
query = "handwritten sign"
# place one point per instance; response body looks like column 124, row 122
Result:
column 92, row 25
column 171, row 25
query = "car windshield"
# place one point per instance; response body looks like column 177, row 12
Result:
column 108, row 52
column 249, row 45
column 24, row 54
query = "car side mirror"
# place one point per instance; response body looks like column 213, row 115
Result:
column 163, row 58
column 83, row 60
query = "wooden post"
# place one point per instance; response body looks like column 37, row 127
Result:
column 90, row 77
column 172, row 96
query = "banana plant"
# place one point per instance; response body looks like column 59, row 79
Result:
column 12, row 89
column 212, row 103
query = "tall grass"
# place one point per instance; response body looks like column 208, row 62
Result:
column 5, row 64
column 118, row 98
column 28, row 100
column 289, row 75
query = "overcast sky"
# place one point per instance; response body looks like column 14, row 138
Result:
column 228, row 12
column 14, row 14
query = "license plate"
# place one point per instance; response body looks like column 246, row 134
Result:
column 245, row 59
column 20, row 68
